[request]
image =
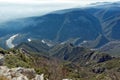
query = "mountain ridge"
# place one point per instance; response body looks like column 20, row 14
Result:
column 87, row 24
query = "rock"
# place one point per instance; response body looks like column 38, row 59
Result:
column 22, row 77
column 20, row 73
column 104, row 58
column 3, row 69
column 2, row 52
column 98, row 70
column 30, row 73
column 100, row 57
column 39, row 77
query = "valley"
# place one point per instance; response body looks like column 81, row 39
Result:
column 70, row 44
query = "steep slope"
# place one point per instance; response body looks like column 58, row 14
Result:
column 61, row 27
column 84, row 23
column 35, row 47
column 81, row 55
column 109, row 17
column 98, row 42
column 112, row 48
column 65, row 52
column 96, row 65
column 56, row 27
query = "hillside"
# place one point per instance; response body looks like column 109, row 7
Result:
column 112, row 48
column 34, row 47
column 81, row 43
column 86, row 64
column 87, row 24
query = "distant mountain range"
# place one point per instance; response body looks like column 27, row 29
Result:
column 72, row 44
column 96, row 25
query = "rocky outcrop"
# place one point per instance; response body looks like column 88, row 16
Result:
column 20, row 73
column 100, row 57
column 98, row 70
column 39, row 77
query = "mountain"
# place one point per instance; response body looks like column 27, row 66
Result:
column 83, row 56
column 85, row 64
column 96, row 24
column 112, row 48
column 34, row 47
column 72, row 44
column 56, row 25
column 65, row 52
column 108, row 16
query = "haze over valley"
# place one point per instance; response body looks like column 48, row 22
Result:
column 59, row 40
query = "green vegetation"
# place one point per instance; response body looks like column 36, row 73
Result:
column 111, row 64
column 16, row 61
column 34, row 47
column 55, row 69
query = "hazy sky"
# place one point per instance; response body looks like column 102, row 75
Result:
column 11, row 9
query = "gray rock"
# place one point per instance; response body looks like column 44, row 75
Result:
column 98, row 70
column 1, row 59
column 39, row 77
column 20, row 73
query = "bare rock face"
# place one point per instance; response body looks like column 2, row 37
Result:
column 20, row 73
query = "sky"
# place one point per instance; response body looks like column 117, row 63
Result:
column 12, row 9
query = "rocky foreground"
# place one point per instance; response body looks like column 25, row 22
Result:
column 20, row 73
